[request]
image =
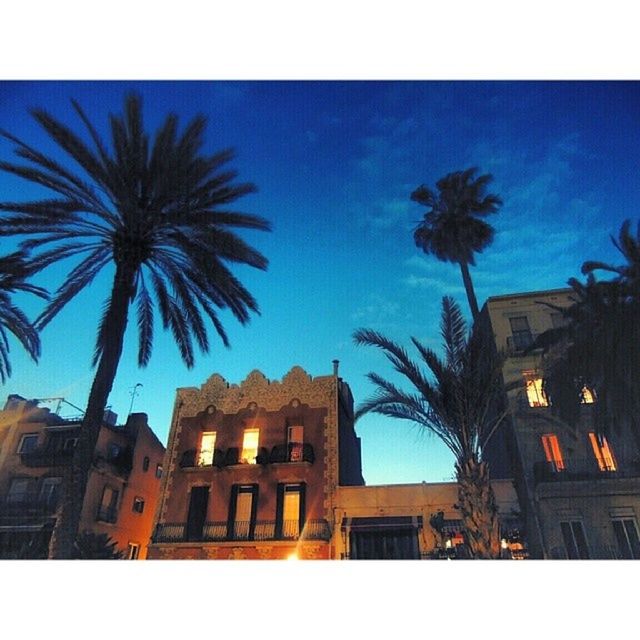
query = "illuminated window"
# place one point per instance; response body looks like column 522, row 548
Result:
column 535, row 395
column 575, row 541
column 207, row 446
column 552, row 451
column 138, row 504
column 603, row 453
column 290, row 509
column 28, row 443
column 250, row 446
column 244, row 504
column 626, row 532
column 588, row 396
column 295, row 437
column 133, row 549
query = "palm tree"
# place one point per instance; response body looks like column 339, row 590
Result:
column 14, row 271
column 453, row 229
column 598, row 347
column 159, row 212
column 463, row 406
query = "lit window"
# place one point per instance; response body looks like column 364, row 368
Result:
column 552, row 451
column 28, row 443
column 138, row 504
column 207, row 445
column 244, row 511
column 291, row 511
column 535, row 395
column 133, row 549
column 295, row 436
column 588, row 396
column 158, row 471
column 626, row 532
column 250, row 446
column 575, row 541
column 603, row 453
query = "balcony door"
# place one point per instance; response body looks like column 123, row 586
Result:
column 198, row 503
column 242, row 511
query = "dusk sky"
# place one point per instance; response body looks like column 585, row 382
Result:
column 335, row 163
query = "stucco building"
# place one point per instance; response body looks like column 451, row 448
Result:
column 579, row 492
column 36, row 446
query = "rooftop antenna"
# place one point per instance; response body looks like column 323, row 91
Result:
column 133, row 393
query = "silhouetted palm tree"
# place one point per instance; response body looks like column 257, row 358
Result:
column 14, row 271
column 599, row 345
column 463, row 406
column 453, row 229
column 159, row 212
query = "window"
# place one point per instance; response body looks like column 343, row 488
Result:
column 145, row 464
column 133, row 549
column 19, row 489
column 602, row 452
column 250, row 446
column 295, row 437
column 107, row 511
column 557, row 320
column 138, row 504
column 113, row 451
column 588, row 396
column 626, row 532
column 552, row 451
column 521, row 334
column 28, row 443
column 49, row 490
column 69, row 444
column 574, row 540
column 158, row 471
column 207, row 447
column 533, row 385
column 290, row 510
column 244, row 503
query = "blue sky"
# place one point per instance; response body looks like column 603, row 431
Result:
column 335, row 163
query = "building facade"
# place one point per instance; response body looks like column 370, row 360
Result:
column 36, row 447
column 253, row 469
column 579, row 492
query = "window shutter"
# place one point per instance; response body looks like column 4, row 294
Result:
column 254, row 509
column 303, row 501
column 232, row 510
column 279, row 509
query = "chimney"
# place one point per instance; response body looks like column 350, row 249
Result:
column 335, row 367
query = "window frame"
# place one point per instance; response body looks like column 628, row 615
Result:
column 200, row 460
column 138, row 500
column 245, row 459
column 602, row 452
column 295, row 447
column 159, row 470
column 633, row 547
column 578, row 549
column 23, row 438
column 533, row 381
column 133, row 550
column 552, row 451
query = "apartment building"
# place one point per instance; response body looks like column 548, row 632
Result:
column 36, row 447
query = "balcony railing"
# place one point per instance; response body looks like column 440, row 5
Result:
column 518, row 342
column 281, row 453
column 107, row 514
column 572, row 469
column 29, row 506
column 41, row 457
column 595, row 553
column 260, row 530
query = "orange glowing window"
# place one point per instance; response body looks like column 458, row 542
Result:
column 207, row 446
column 603, row 453
column 250, row 446
column 535, row 396
column 552, row 451
column 588, row 397
column 296, row 438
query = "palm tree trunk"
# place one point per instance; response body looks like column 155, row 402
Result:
column 62, row 544
column 477, row 505
column 471, row 294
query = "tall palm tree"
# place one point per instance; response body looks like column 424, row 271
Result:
column 462, row 405
column 157, row 211
column 14, row 271
column 598, row 347
column 453, row 229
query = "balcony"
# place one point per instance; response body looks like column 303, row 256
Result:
column 292, row 452
column 584, row 469
column 29, row 506
column 258, row 531
column 520, row 341
column 280, row 454
column 595, row 553
column 42, row 457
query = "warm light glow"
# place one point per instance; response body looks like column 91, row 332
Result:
column 534, row 391
column 207, row 446
column 293, row 556
column 448, row 544
column 552, row 451
column 587, row 396
column 250, row 446
column 603, row 453
column 503, row 543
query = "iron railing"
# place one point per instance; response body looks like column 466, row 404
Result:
column 41, row 457
column 607, row 552
column 259, row 530
column 572, row 469
column 518, row 342
column 281, row 453
column 29, row 505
